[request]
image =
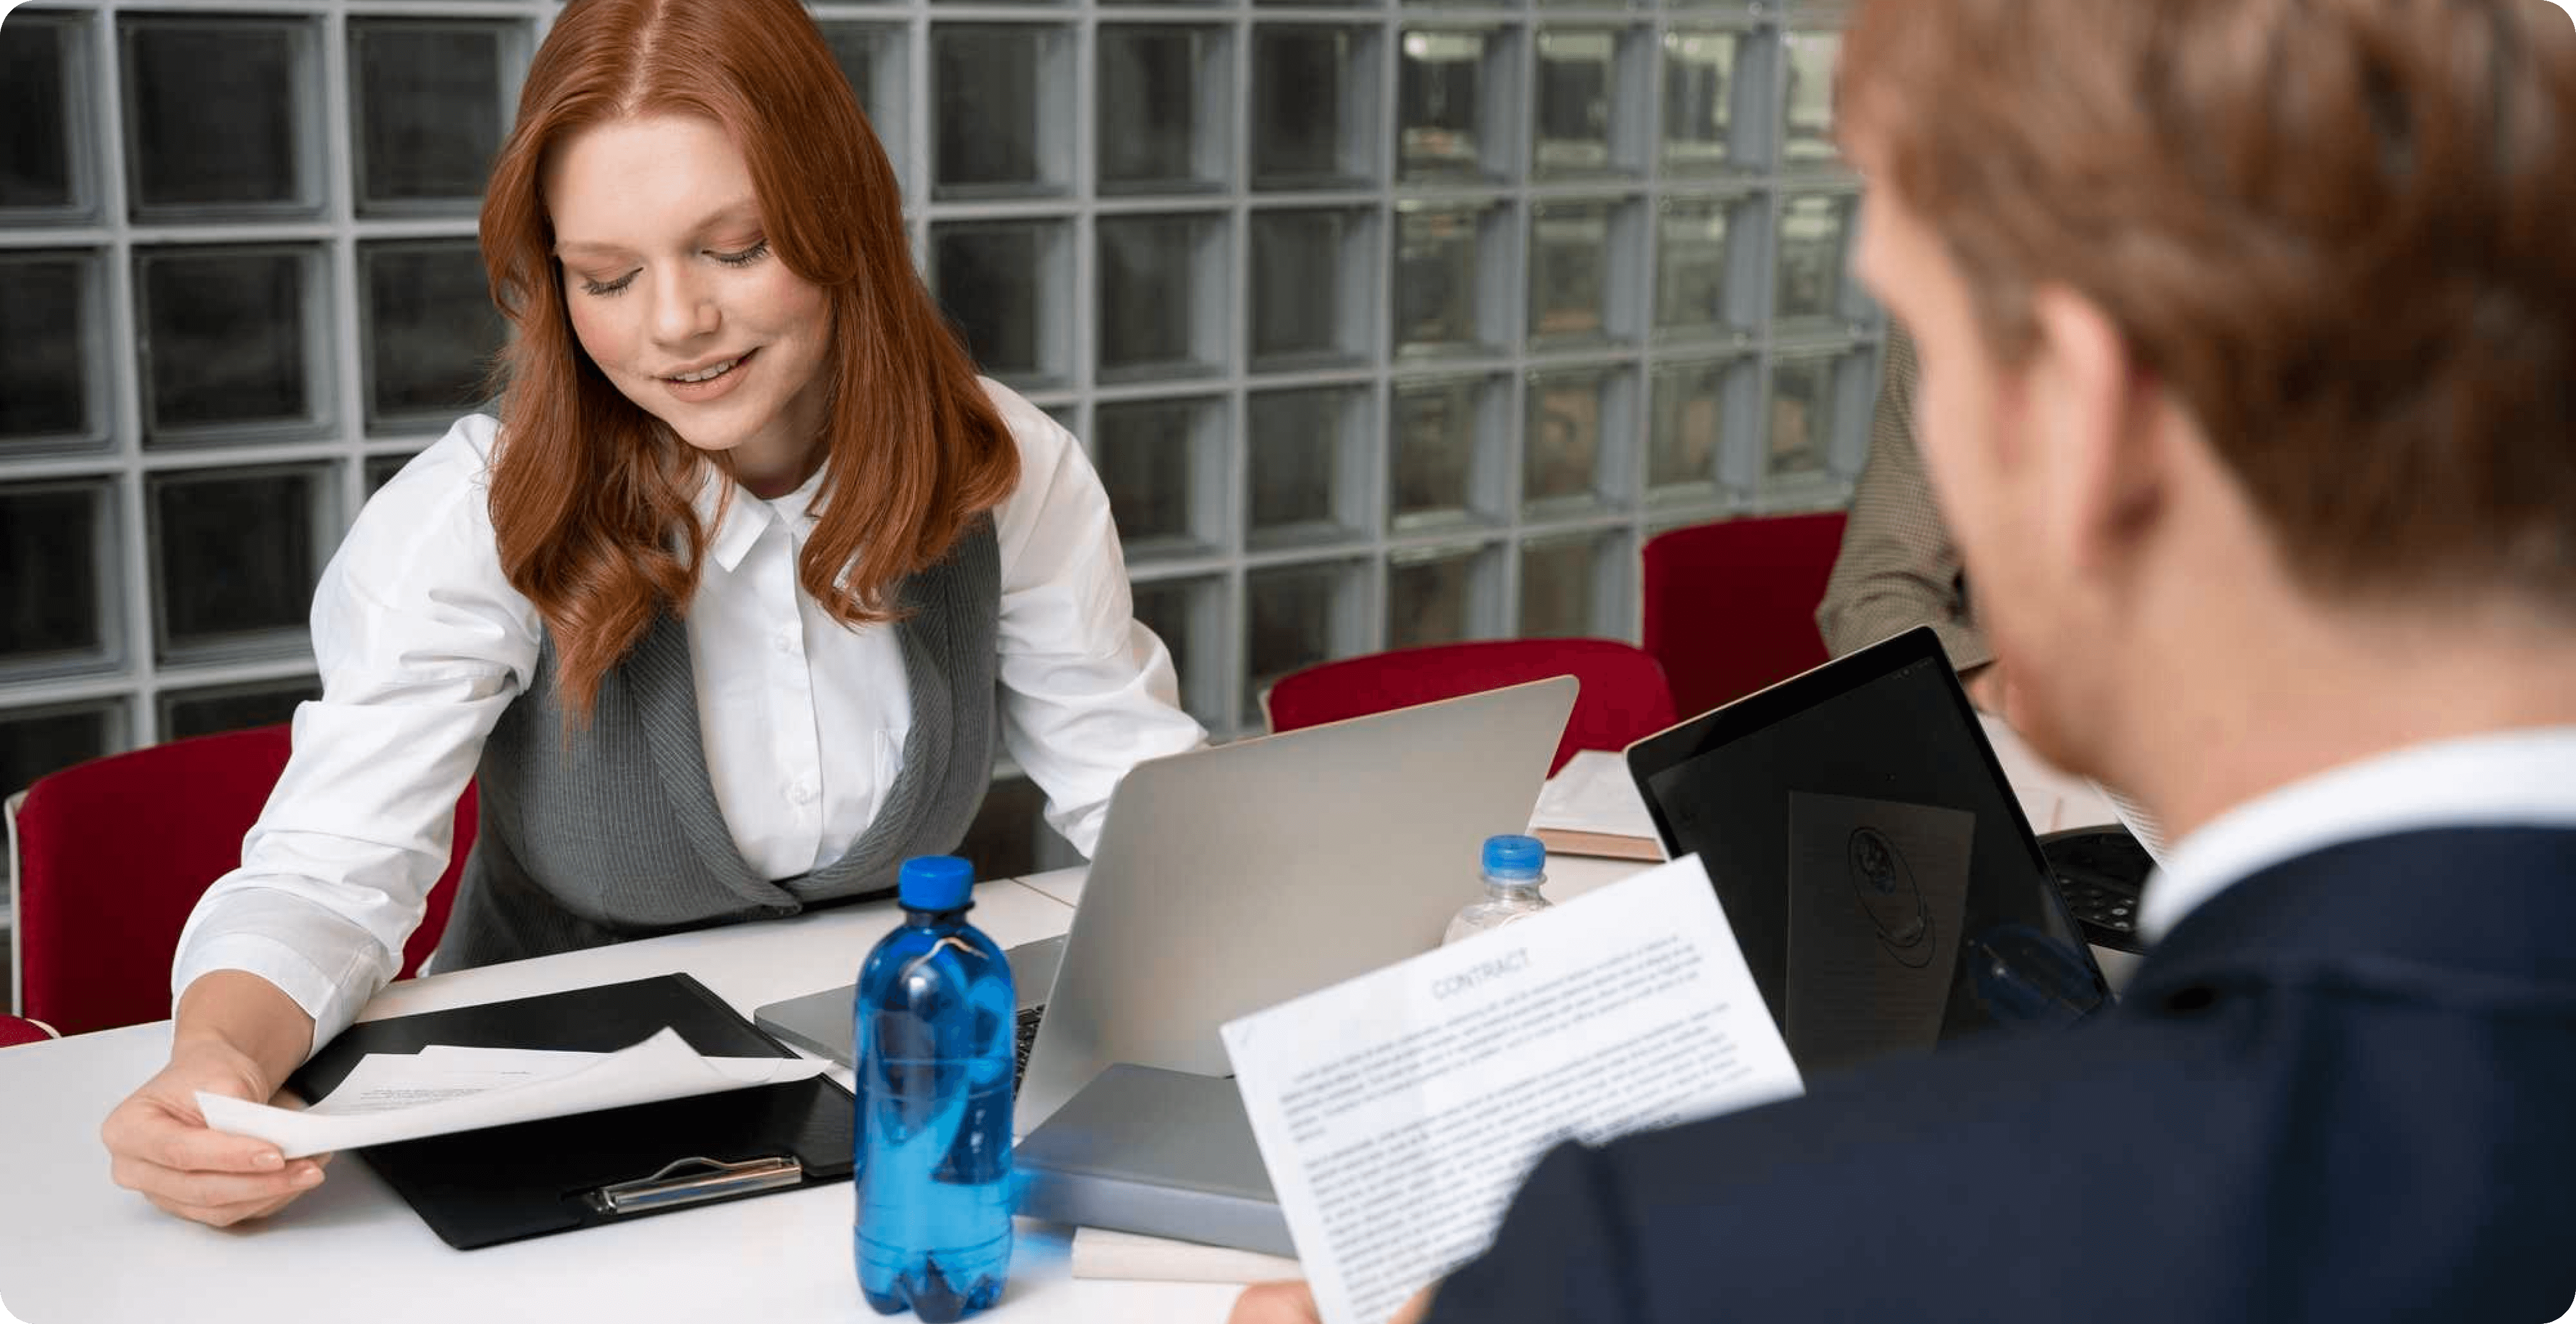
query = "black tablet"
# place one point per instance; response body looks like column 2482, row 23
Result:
column 1872, row 859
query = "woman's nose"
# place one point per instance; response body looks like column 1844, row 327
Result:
column 683, row 309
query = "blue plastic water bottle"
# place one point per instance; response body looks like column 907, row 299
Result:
column 934, row 1054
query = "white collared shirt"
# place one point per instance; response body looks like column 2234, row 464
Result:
column 2509, row 779
column 422, row 642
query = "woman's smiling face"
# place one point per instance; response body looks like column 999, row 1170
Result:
column 675, row 293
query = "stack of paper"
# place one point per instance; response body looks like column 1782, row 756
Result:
column 1591, row 807
column 443, row 1089
column 1101, row 1253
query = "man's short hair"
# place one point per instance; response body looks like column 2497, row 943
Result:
column 2341, row 232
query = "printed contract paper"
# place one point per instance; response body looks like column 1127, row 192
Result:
column 442, row 1089
column 1398, row 1112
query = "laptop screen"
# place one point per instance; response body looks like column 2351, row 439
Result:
column 1875, row 865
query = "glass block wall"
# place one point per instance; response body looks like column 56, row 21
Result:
column 1384, row 324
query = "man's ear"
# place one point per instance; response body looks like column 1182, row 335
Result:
column 2096, row 411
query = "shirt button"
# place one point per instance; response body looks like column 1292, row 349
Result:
column 784, row 641
column 802, row 792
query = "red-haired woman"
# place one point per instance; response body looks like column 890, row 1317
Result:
column 725, row 610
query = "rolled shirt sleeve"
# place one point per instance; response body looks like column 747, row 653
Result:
column 421, row 642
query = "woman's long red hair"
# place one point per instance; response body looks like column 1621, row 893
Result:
column 592, row 496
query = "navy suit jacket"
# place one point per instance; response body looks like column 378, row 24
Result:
column 2343, row 1089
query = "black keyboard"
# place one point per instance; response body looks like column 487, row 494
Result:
column 2101, row 873
column 1025, row 1037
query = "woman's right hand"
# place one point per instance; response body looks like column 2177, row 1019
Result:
column 159, row 1143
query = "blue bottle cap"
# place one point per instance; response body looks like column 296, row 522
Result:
column 935, row 883
column 1515, row 858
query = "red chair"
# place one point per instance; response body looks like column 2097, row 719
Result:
column 1623, row 695
column 112, row 854
column 1730, row 607
column 16, row 1030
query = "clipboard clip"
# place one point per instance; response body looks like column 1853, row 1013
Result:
column 691, row 1180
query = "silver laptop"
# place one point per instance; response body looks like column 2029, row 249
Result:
column 1234, row 878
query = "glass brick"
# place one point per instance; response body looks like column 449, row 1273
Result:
column 1002, row 110
column 1448, row 263
column 1163, row 464
column 1453, row 100
column 1313, row 275
column 1188, row 615
column 1164, row 109
column 874, row 57
column 1309, row 454
column 1572, row 586
column 380, row 469
column 37, row 741
column 208, row 709
column 1582, row 290
column 433, row 102
column 1695, row 407
column 431, row 331
column 219, row 117
column 1163, row 302
column 229, row 340
column 1809, row 67
column 1699, row 105
column 1447, row 439
column 42, row 63
column 48, row 335
column 235, row 555
column 1314, row 107
column 1579, row 108
column 1566, row 456
column 1802, row 418
column 58, row 574
column 1004, row 284
column 1695, row 266
column 1297, row 616
column 1441, row 595
column 1816, row 231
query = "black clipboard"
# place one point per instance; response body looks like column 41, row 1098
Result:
column 530, row 1179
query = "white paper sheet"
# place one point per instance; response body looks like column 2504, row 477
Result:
column 443, row 1089
column 1594, row 793
column 1398, row 1112
column 1099, row 1252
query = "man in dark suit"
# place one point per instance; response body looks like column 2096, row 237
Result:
column 2248, row 351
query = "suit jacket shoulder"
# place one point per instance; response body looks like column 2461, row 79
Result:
column 2334, row 1092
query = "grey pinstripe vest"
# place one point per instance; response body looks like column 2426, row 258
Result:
column 612, row 833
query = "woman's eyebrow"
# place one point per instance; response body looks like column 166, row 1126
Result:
column 740, row 210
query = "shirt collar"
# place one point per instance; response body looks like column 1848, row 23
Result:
column 2519, row 778
column 746, row 517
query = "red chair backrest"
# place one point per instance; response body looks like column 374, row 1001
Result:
column 1730, row 607
column 15, row 1030
column 1623, row 694
column 113, row 854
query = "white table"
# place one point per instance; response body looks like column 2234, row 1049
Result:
column 75, row 1247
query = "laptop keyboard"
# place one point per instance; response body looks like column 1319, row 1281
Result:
column 1024, row 1037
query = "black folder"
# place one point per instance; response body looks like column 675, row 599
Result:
column 507, row 1183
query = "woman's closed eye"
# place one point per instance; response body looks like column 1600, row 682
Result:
column 739, row 258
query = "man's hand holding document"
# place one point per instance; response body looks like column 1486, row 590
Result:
column 1398, row 1112
column 442, row 1089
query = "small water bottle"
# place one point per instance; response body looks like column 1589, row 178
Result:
column 1515, row 867
column 934, row 1054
